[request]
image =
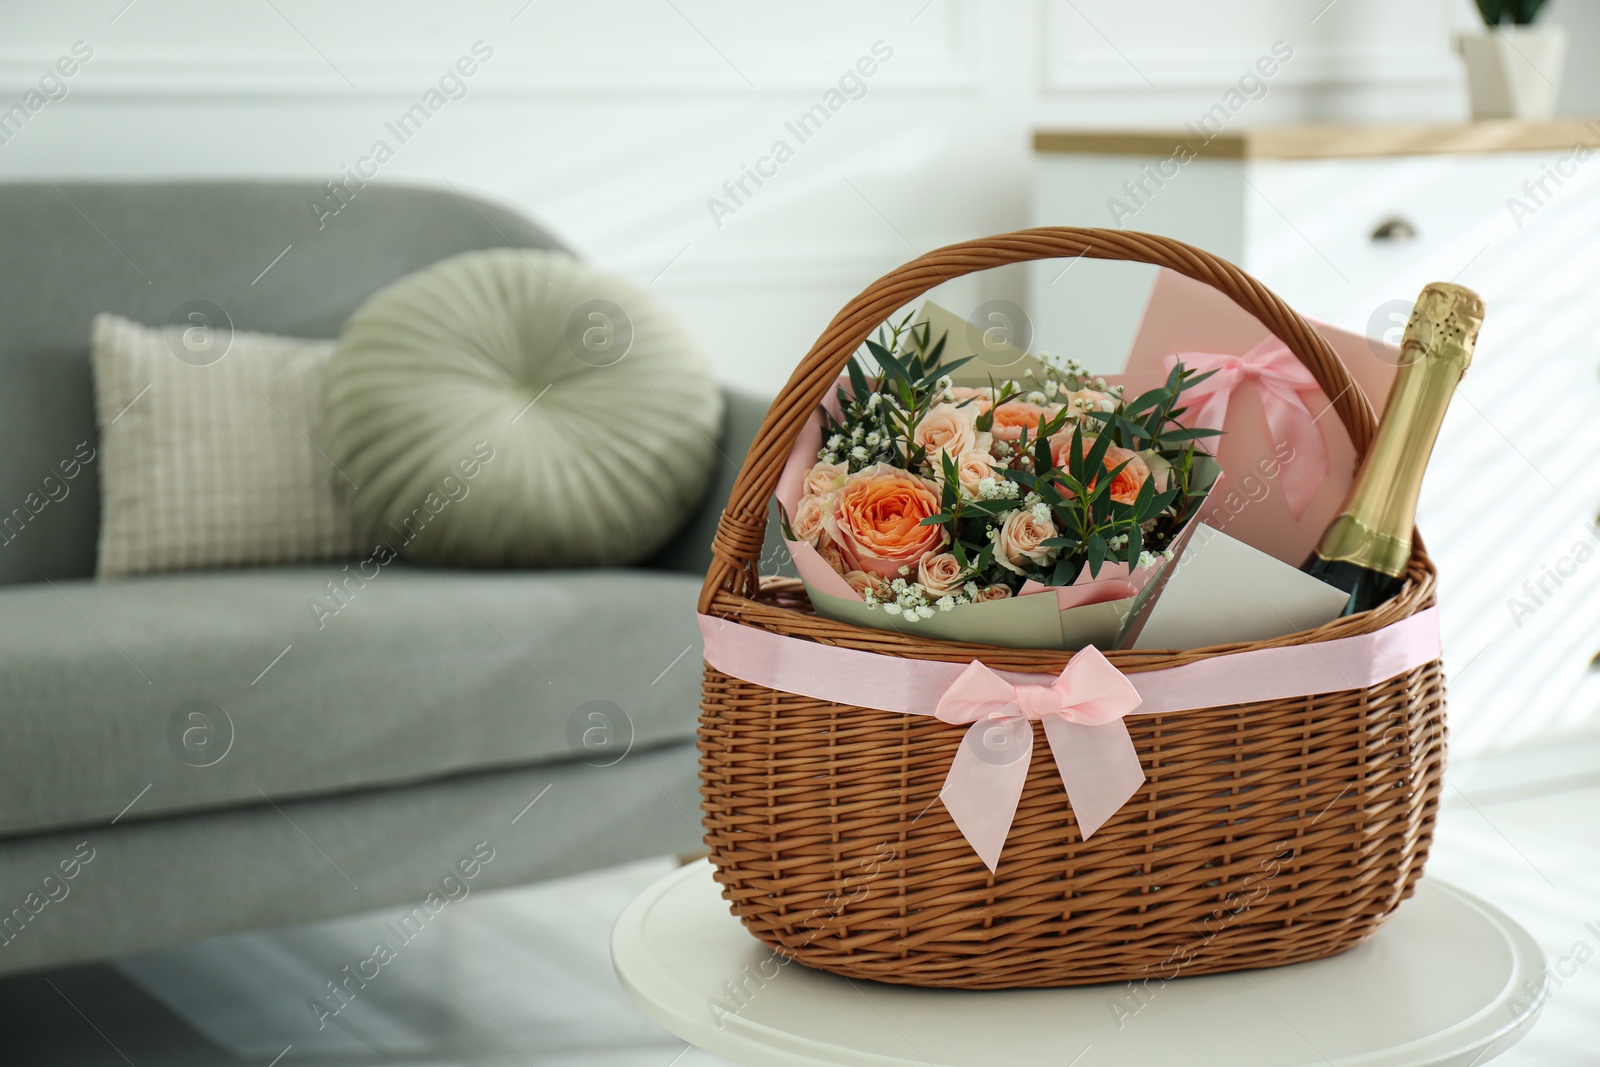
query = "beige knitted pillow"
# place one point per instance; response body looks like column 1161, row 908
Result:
column 210, row 450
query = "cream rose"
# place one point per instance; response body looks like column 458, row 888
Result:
column 810, row 519
column 1021, row 541
column 948, row 429
column 940, row 574
column 972, row 468
column 833, row 557
column 823, row 479
column 1160, row 468
column 876, row 519
column 992, row 592
column 862, row 582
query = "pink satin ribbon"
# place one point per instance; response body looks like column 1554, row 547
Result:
column 1283, row 383
column 1082, row 710
column 1082, row 714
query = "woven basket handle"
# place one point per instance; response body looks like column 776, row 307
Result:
column 742, row 528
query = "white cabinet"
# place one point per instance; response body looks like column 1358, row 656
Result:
column 1347, row 225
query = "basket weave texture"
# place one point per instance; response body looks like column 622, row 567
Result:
column 1265, row 834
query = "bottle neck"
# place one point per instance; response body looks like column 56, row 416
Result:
column 1374, row 529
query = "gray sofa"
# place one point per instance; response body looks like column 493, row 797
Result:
column 195, row 749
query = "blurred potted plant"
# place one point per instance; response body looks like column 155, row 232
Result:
column 1514, row 69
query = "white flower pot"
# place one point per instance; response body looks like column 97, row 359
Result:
column 1514, row 72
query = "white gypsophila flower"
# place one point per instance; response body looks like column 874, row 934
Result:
column 1108, row 405
column 970, row 589
column 891, row 608
column 855, row 433
column 858, row 453
column 874, row 439
column 1035, row 397
column 945, row 383
column 945, row 603
column 874, row 400
column 1041, row 512
column 1031, row 498
column 1168, row 553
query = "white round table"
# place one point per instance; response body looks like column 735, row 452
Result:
column 1442, row 983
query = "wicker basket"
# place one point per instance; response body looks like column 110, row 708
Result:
column 1266, row 834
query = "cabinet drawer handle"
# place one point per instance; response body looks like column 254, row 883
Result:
column 1394, row 229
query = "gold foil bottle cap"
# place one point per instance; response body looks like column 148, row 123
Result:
column 1445, row 320
column 1373, row 528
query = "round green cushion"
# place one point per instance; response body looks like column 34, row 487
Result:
column 517, row 408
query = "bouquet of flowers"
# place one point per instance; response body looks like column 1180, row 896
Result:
column 926, row 496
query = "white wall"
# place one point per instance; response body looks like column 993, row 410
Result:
column 615, row 121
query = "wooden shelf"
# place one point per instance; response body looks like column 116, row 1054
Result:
column 1329, row 142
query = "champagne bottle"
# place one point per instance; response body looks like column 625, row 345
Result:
column 1367, row 547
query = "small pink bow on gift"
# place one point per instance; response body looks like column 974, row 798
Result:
column 1081, row 711
column 1284, row 384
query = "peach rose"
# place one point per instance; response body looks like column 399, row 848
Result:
column 823, row 479
column 948, row 429
column 973, row 401
column 940, row 574
column 862, row 582
column 992, row 592
column 1125, row 487
column 972, row 468
column 1021, row 540
column 1015, row 416
column 810, row 519
column 1079, row 400
column 876, row 520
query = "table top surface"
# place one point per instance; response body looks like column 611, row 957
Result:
column 1447, row 981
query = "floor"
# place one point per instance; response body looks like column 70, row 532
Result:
column 522, row 977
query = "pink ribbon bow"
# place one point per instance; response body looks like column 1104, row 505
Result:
column 1082, row 712
column 1283, row 383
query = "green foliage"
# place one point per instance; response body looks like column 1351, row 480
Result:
column 1516, row 12
column 1057, row 469
column 879, row 412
